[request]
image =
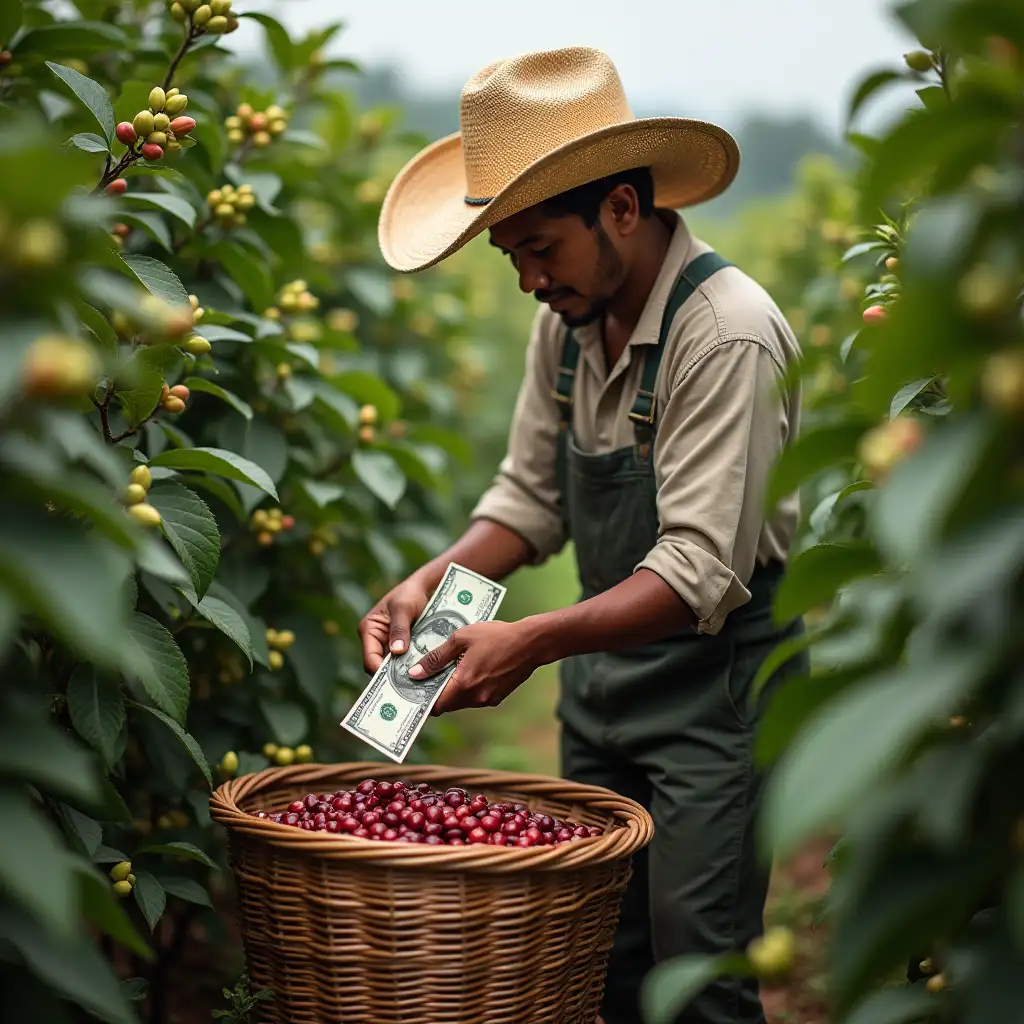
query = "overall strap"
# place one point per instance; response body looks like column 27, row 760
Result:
column 643, row 413
column 566, row 374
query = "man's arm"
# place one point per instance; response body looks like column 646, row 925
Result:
column 486, row 547
column 640, row 610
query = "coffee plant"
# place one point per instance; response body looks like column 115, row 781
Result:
column 906, row 739
column 225, row 431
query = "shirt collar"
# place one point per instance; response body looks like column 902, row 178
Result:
column 648, row 327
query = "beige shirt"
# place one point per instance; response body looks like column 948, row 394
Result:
column 723, row 415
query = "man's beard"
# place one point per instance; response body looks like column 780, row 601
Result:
column 609, row 271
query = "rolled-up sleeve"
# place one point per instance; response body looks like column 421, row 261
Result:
column 524, row 496
column 718, row 436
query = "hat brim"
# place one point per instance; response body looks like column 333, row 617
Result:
column 425, row 217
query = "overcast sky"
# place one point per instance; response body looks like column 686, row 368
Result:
column 707, row 58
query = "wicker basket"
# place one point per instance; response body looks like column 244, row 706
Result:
column 345, row 931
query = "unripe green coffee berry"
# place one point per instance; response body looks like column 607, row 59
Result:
column 130, row 879
column 239, row 220
column 157, row 138
column 144, row 123
column 197, row 346
column 202, row 15
column 178, row 13
column 229, row 763
column 176, row 104
column 220, row 6
column 190, row 5
column 172, row 92
column 236, row 135
column 919, row 60
column 157, row 99
column 173, row 146
column 303, row 753
column 161, row 122
column 217, row 24
column 134, row 493
column 123, row 889
column 246, row 202
column 225, row 211
column 120, row 871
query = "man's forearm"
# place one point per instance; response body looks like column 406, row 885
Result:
column 639, row 610
column 486, row 547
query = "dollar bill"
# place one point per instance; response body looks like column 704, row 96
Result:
column 392, row 709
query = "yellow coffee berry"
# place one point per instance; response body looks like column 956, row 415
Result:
column 368, row 414
column 120, row 871
column 275, row 659
column 157, row 99
column 303, row 753
column 269, row 750
column 123, row 889
column 229, row 763
column 134, row 493
column 142, row 476
column 145, row 514
column 284, row 756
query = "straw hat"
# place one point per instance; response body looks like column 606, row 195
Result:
column 532, row 127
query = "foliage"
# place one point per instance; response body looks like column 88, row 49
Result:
column 202, row 497
column 907, row 738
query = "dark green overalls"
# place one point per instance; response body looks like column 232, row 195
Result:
column 667, row 724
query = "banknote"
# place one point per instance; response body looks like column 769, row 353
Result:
column 392, row 709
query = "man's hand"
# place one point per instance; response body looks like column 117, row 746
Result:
column 493, row 659
column 385, row 629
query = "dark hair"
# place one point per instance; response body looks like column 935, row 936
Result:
column 585, row 200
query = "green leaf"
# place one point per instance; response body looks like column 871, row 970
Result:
column 228, row 621
column 381, row 475
column 192, row 530
column 10, row 19
column 209, row 388
column 31, row 849
column 782, row 654
column 914, row 505
column 248, row 272
column 220, row 462
column 287, row 721
column 187, row 851
column 153, row 657
column 150, row 896
column 102, row 908
column 96, row 708
column 855, row 739
column 187, row 741
column 214, row 332
column 154, row 226
column 671, row 985
column 814, row 576
column 157, row 278
column 322, row 492
column 933, row 97
column 812, row 452
column 862, row 249
column 89, row 143
column 819, row 518
column 278, row 40
column 174, row 205
column 906, row 395
column 373, row 289
column 868, row 87
column 97, row 323
column 135, row 989
column 91, row 93
column 155, row 558
column 186, row 889
column 138, row 388
column 82, row 602
column 314, row 660
column 895, row 1006
column 71, row 965
column 86, row 833
column 220, row 489
column 368, row 389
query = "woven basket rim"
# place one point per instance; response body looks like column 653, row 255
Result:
column 632, row 835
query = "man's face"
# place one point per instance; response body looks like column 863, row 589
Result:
column 574, row 269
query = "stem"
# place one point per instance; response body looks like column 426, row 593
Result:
column 104, row 409
column 191, row 35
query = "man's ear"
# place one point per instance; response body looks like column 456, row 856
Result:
column 622, row 206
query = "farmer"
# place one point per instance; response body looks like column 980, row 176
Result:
column 652, row 407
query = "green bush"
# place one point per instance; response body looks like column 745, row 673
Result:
column 907, row 738
column 225, row 431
